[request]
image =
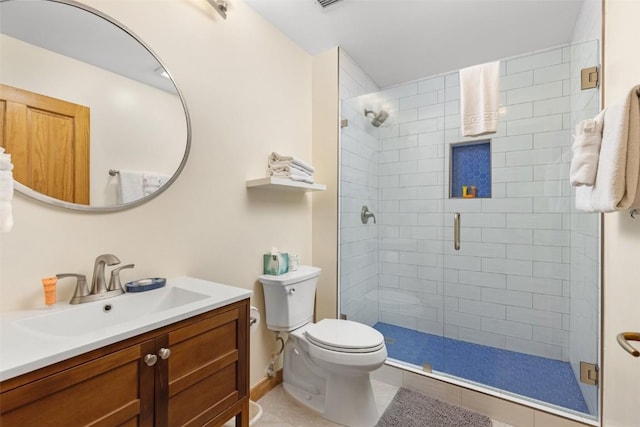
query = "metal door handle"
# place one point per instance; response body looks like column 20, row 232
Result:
column 456, row 231
column 624, row 338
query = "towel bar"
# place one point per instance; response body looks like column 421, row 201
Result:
column 113, row 172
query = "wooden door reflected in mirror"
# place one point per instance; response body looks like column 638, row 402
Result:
column 48, row 139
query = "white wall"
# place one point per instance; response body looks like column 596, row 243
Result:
column 621, row 286
column 151, row 127
column 248, row 90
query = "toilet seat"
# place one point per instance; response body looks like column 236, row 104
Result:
column 344, row 336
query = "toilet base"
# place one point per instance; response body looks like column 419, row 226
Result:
column 348, row 401
column 344, row 397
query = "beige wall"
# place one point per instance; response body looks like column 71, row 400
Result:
column 248, row 90
column 325, row 157
column 620, row 371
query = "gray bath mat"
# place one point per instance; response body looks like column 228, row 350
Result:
column 412, row 409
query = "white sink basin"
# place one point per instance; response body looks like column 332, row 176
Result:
column 94, row 316
column 32, row 339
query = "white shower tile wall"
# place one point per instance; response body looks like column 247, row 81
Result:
column 359, row 187
column 509, row 284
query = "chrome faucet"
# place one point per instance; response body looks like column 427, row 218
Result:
column 99, row 289
column 99, row 283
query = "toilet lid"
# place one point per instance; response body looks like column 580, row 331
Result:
column 344, row 336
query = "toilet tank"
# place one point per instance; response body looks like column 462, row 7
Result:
column 289, row 298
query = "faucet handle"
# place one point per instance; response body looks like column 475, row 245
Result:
column 82, row 290
column 114, row 282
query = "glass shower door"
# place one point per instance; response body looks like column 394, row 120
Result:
column 510, row 322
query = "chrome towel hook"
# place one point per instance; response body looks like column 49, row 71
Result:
column 633, row 213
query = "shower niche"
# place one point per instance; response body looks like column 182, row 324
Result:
column 470, row 170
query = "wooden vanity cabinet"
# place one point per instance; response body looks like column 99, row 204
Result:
column 202, row 379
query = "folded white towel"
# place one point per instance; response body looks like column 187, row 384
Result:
column 129, row 186
column 480, row 98
column 6, row 216
column 308, row 180
column 5, row 162
column 290, row 173
column 6, row 192
column 586, row 151
column 275, row 158
column 288, row 170
column 618, row 178
column 6, row 186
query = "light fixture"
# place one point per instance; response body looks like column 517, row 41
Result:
column 220, row 6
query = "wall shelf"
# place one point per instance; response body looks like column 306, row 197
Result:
column 284, row 184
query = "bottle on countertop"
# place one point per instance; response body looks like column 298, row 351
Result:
column 49, row 285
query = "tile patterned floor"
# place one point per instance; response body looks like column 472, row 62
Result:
column 281, row 410
column 548, row 380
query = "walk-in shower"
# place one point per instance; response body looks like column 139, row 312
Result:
column 515, row 309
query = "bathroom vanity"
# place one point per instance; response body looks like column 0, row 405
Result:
column 182, row 361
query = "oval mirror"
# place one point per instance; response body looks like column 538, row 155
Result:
column 92, row 119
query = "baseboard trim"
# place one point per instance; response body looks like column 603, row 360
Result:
column 265, row 385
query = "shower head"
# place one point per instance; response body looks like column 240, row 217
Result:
column 378, row 119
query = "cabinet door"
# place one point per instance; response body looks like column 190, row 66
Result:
column 206, row 370
column 116, row 389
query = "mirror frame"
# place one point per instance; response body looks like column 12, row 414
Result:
column 123, row 206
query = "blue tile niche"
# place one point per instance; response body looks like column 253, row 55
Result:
column 471, row 165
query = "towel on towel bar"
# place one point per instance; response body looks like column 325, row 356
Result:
column 586, row 151
column 480, row 98
column 617, row 184
column 152, row 181
column 129, row 186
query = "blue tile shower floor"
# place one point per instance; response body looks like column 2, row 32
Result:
column 548, row 380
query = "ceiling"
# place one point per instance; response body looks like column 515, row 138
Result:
column 396, row 41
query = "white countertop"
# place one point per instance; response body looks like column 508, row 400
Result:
column 24, row 349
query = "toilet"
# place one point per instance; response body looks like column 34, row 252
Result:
column 326, row 364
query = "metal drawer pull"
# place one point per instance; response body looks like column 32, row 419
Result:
column 456, row 231
column 164, row 353
column 623, row 340
column 150, row 359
